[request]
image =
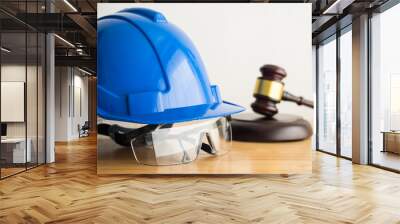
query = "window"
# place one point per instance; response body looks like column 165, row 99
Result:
column 334, row 106
column 385, row 89
column 346, row 93
column 327, row 96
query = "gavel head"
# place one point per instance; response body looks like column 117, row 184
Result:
column 268, row 90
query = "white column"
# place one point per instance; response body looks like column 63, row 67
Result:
column 360, row 90
column 50, row 92
column 50, row 99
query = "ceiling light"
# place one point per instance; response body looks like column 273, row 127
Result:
column 5, row 50
column 84, row 71
column 80, row 51
column 70, row 5
column 337, row 7
column 64, row 40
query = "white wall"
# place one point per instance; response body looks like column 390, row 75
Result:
column 235, row 40
column 33, row 126
column 81, row 84
column 17, row 72
column 14, row 72
column 61, row 111
column 69, row 82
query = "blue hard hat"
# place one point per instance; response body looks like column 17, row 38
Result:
column 150, row 72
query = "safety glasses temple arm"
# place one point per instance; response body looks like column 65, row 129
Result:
column 123, row 136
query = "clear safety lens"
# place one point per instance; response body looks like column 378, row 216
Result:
column 182, row 142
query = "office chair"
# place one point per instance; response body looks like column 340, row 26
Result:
column 84, row 130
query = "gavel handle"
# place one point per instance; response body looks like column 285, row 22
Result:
column 297, row 99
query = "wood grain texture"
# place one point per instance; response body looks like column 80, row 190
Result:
column 243, row 158
column 69, row 191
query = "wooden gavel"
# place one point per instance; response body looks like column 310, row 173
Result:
column 269, row 91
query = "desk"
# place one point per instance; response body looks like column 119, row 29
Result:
column 391, row 141
column 244, row 158
column 13, row 150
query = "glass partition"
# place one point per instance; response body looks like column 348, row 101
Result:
column 14, row 145
column 32, row 96
column 22, row 77
column 41, row 97
column 32, row 87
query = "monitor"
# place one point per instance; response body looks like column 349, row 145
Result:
column 3, row 129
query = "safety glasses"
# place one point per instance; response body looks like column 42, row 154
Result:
column 173, row 144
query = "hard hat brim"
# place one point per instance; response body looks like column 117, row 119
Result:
column 178, row 115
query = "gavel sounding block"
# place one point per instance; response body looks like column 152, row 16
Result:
column 251, row 127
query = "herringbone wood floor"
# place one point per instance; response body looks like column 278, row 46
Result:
column 69, row 191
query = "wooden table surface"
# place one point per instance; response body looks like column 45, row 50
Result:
column 244, row 158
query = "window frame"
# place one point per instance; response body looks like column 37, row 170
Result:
column 334, row 37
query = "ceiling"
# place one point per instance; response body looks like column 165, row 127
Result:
column 74, row 21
